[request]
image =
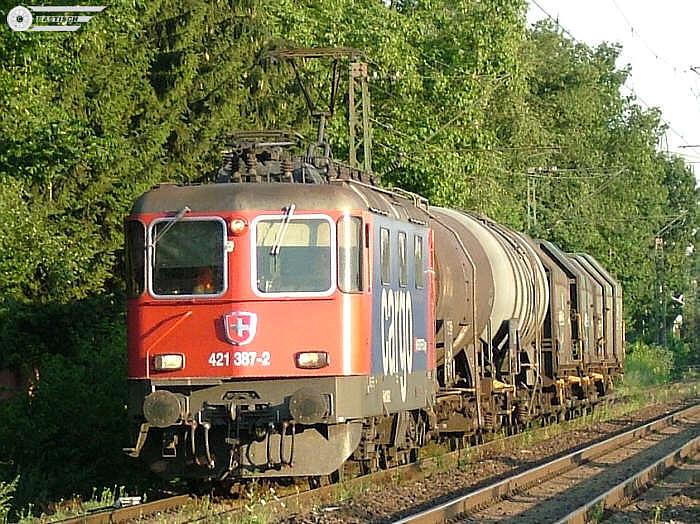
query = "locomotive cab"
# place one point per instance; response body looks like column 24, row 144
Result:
column 250, row 340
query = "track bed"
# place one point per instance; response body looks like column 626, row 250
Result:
column 554, row 498
column 675, row 498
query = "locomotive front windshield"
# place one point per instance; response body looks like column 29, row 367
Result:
column 293, row 256
column 188, row 258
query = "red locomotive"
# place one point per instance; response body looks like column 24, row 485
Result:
column 295, row 315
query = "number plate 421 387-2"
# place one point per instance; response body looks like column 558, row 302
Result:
column 239, row 359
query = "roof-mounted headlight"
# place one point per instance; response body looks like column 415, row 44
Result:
column 238, row 226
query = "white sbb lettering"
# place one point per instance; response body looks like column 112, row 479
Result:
column 397, row 335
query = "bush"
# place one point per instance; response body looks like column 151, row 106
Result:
column 647, row 364
column 6, row 491
column 67, row 436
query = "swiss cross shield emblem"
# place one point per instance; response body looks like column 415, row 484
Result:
column 240, row 327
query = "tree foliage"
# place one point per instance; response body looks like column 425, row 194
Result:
column 648, row 364
column 470, row 108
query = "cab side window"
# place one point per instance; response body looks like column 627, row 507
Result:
column 135, row 233
column 418, row 261
column 385, row 255
column 350, row 254
column 403, row 262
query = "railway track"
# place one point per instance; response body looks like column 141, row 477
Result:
column 577, row 487
column 303, row 498
column 128, row 513
column 674, row 498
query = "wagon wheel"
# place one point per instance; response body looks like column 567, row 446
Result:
column 402, row 457
column 370, row 465
column 386, row 460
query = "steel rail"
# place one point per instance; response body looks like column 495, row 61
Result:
column 137, row 511
column 632, row 486
column 482, row 497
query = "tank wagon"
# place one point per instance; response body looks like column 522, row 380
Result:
column 295, row 315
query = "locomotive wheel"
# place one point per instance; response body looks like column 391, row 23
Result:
column 343, row 473
column 459, row 442
column 317, row 481
column 234, row 489
column 200, row 487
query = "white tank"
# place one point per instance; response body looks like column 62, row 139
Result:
column 515, row 277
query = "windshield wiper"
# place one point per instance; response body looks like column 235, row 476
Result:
column 282, row 230
column 178, row 216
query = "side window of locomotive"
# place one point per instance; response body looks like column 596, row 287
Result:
column 350, row 254
column 135, row 233
column 385, row 255
column 189, row 258
column 418, row 261
column 293, row 257
column 403, row 263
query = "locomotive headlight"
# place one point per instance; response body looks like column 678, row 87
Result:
column 312, row 359
column 168, row 362
column 238, row 226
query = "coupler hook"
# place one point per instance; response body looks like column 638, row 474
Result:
column 291, row 451
column 193, row 430
column 270, row 429
column 207, row 427
column 207, row 450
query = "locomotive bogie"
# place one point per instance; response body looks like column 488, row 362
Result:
column 286, row 427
